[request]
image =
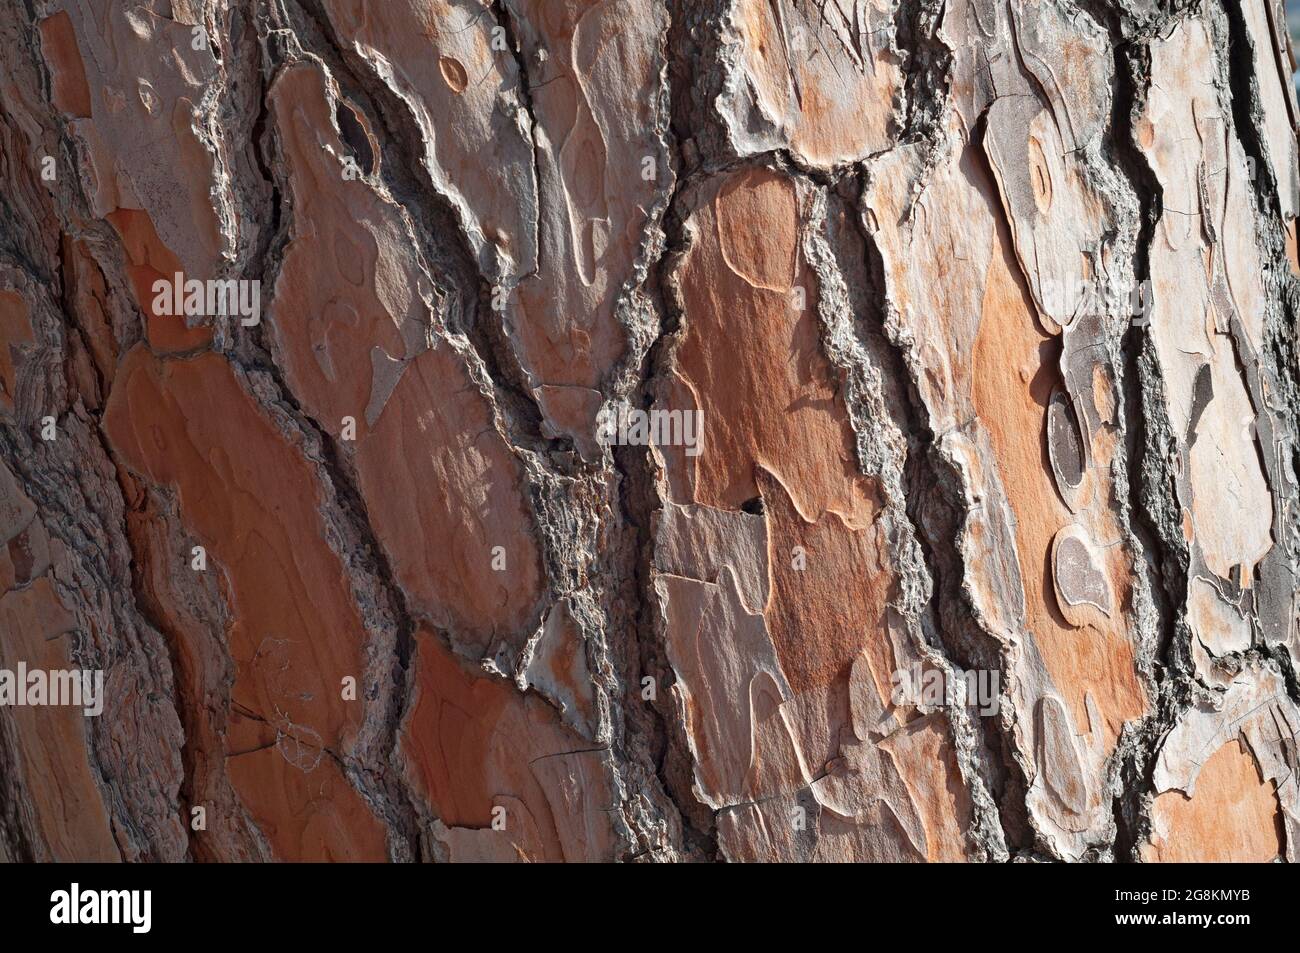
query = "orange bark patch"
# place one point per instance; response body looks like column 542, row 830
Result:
column 475, row 743
column 822, row 616
column 1232, row 815
column 1015, row 371
column 444, row 490
column 70, row 92
column 250, row 499
column 924, row 755
column 751, row 360
column 601, row 54
column 53, row 760
column 148, row 261
column 440, row 483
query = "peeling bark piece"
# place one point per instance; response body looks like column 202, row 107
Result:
column 558, row 669
column 1233, row 817
column 817, row 78
column 1060, row 761
column 741, row 751
column 53, row 769
column 438, row 60
column 784, row 827
column 697, row 541
column 448, row 497
column 248, row 495
column 473, row 743
column 1067, row 57
column 925, row 755
column 1224, row 460
column 866, row 783
column 347, row 286
column 1078, row 577
column 1066, row 448
column 774, row 405
column 1219, row 625
column 59, row 44
column 1256, row 782
column 148, row 140
column 881, row 838
column 1041, row 193
column 598, row 107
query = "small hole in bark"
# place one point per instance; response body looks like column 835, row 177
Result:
column 754, row 506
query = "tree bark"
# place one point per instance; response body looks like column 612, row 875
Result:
column 695, row 430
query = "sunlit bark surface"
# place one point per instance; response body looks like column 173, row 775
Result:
column 697, row 430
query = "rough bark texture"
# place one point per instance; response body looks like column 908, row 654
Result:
column 846, row 235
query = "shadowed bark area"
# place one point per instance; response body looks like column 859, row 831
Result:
column 678, row 430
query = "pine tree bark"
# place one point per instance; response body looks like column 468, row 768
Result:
column 694, row 430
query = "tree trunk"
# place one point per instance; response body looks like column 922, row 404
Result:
column 713, row 429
